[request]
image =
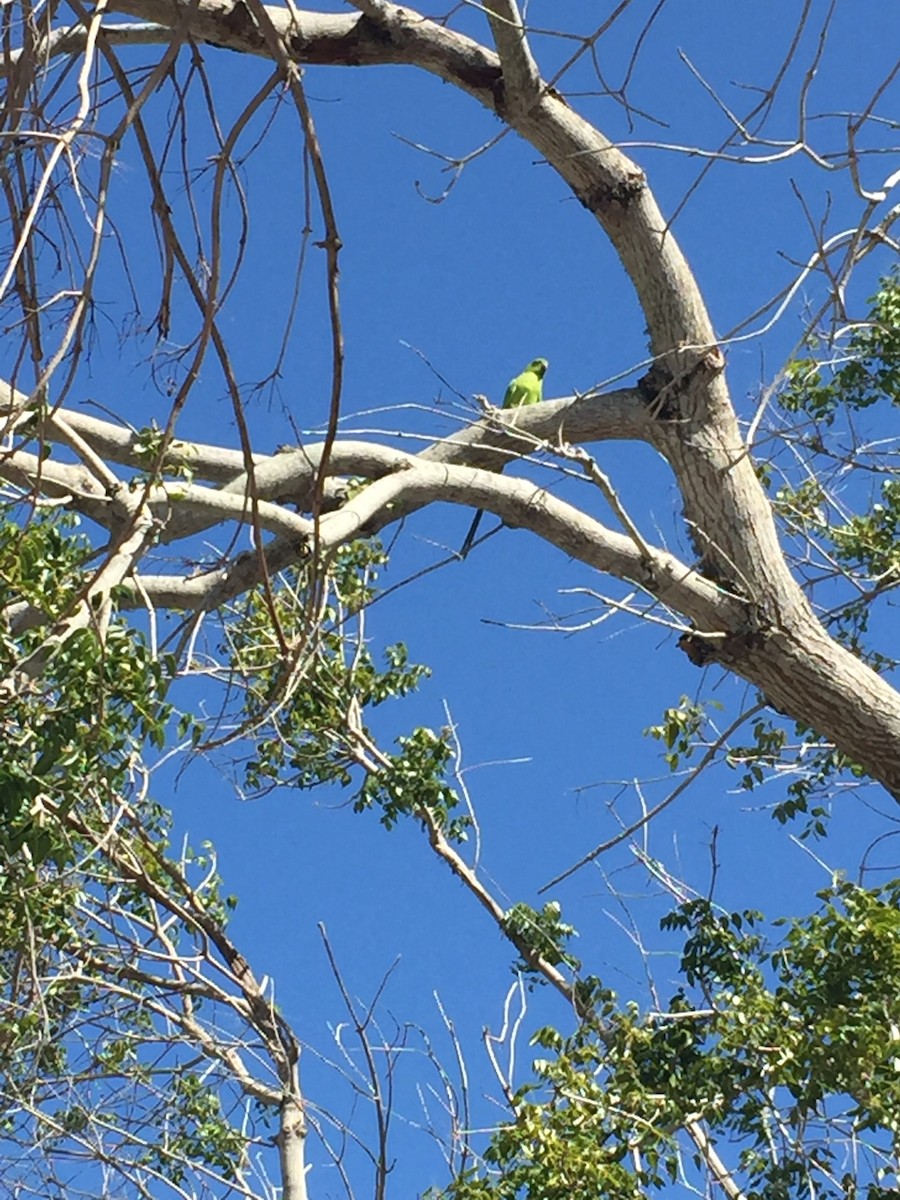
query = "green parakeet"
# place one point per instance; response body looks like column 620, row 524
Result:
column 527, row 388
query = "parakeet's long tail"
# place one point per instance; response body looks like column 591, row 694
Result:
column 470, row 536
column 526, row 388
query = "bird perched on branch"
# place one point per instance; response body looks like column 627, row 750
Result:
column 526, row 388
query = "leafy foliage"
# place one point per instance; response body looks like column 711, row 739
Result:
column 310, row 674
column 862, row 369
column 859, row 375
column 90, row 1059
column 814, row 770
column 69, row 738
column 544, row 933
column 412, row 783
column 788, row 1051
column 678, row 730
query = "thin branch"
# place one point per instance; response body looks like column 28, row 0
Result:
column 648, row 816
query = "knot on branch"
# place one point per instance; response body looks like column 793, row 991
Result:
column 713, row 362
column 619, row 194
column 377, row 24
column 362, row 44
column 238, row 22
column 662, row 388
column 726, row 649
column 659, row 389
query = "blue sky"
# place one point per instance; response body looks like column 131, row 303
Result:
column 509, row 266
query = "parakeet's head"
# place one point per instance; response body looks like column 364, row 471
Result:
column 538, row 366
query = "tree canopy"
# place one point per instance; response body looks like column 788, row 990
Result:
column 232, row 568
